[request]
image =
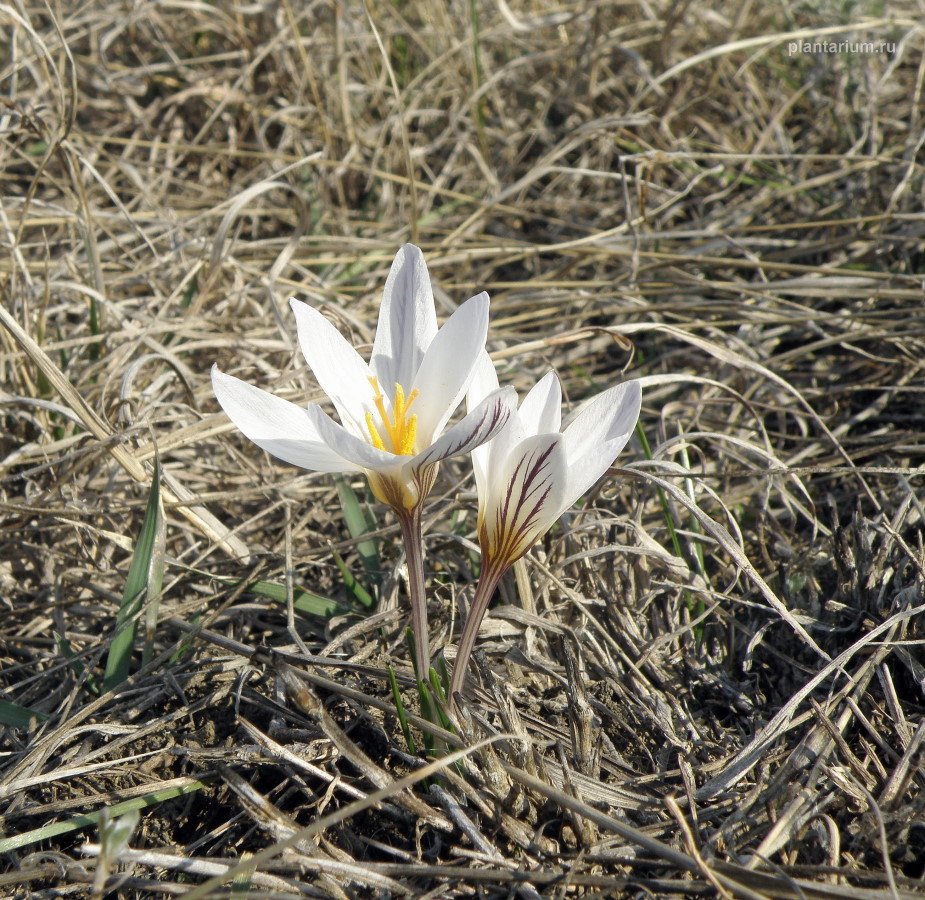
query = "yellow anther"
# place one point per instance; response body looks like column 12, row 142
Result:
column 406, row 443
column 373, row 433
column 400, row 428
column 398, row 407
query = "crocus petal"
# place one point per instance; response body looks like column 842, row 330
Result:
column 407, row 320
column 524, row 500
column 446, row 368
column 486, row 457
column 541, row 410
column 281, row 428
column 484, row 380
column 339, row 369
column 595, row 437
column 611, row 413
column 349, row 446
column 480, row 425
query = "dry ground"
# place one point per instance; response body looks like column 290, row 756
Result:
column 707, row 682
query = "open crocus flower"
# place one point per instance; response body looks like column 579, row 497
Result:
column 532, row 472
column 392, row 410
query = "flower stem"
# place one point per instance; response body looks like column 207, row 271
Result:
column 410, row 522
column 484, row 591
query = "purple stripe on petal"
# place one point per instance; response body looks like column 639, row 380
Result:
column 525, row 498
column 481, row 425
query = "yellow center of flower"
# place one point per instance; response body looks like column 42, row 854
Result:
column 401, row 429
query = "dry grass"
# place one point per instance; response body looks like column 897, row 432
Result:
column 659, row 188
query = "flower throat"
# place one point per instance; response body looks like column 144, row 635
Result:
column 401, row 429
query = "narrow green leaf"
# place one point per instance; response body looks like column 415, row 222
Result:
column 136, row 588
column 437, row 713
column 429, row 712
column 16, row 716
column 359, row 592
column 189, row 293
column 440, row 693
column 412, row 649
column 117, row 831
column 360, row 523
column 155, row 570
column 443, row 672
column 303, row 601
column 402, row 716
column 53, row 829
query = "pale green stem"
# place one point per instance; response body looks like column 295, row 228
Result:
column 488, row 581
column 410, row 522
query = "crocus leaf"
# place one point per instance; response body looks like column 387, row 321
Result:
column 356, row 589
column 16, row 716
column 304, row 601
column 359, row 523
column 155, row 573
column 86, row 820
column 136, row 589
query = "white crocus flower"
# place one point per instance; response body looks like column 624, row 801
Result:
column 392, row 410
column 532, row 472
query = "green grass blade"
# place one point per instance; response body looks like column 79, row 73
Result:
column 409, row 640
column 117, row 831
column 136, row 588
column 360, row 523
column 359, row 592
column 27, row 838
column 155, row 570
column 428, row 712
column 441, row 670
column 16, row 716
column 402, row 716
column 663, row 500
column 304, row 601
column 438, row 690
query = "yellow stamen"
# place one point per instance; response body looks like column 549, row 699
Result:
column 400, row 428
column 406, row 444
column 373, row 433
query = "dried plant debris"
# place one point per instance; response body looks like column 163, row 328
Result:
column 706, row 680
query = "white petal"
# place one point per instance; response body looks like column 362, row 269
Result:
column 480, row 425
column 281, row 428
column 541, row 410
column 608, row 415
column 484, row 380
column 595, row 437
column 407, row 320
column 349, row 446
column 524, row 499
column 339, row 369
column 447, row 366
